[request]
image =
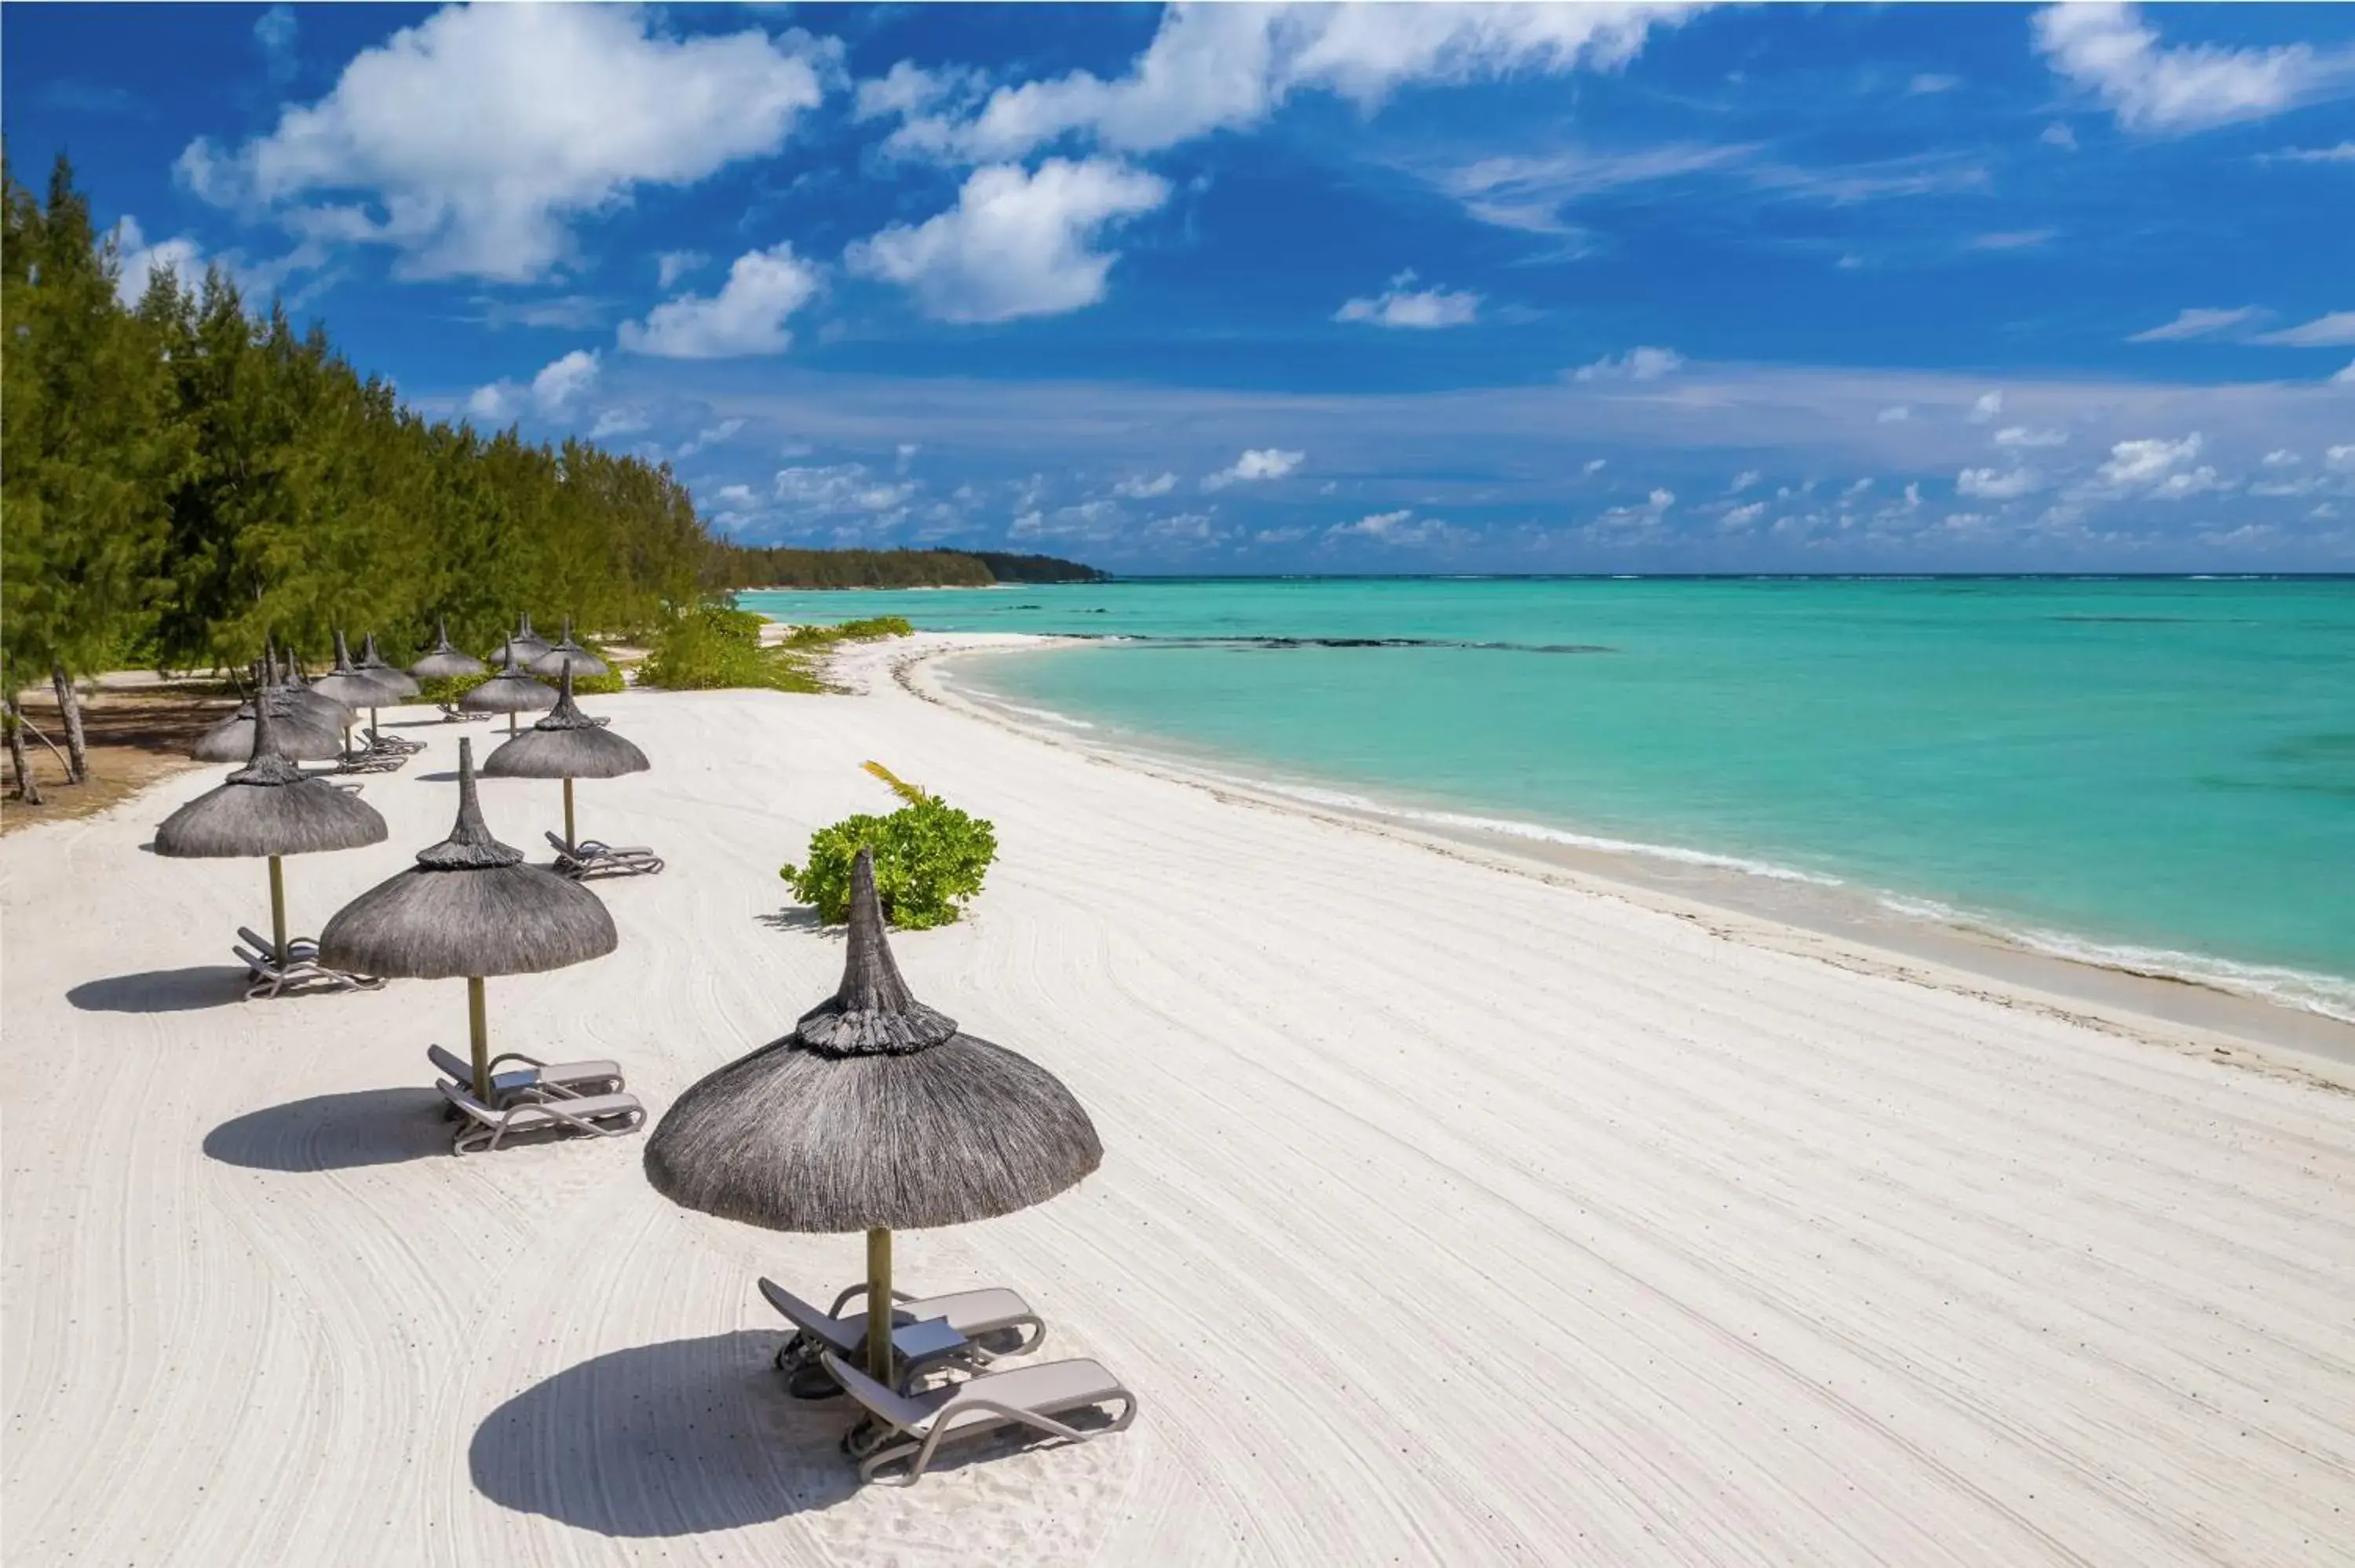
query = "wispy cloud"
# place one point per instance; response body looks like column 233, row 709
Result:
column 2198, row 322
column 2335, row 330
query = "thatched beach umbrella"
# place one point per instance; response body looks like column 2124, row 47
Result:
column 873, row 1115
column 270, row 807
column 295, row 694
column 298, row 734
column 567, row 657
column 567, row 745
column 394, row 684
column 510, row 691
column 525, row 645
column 470, row 907
column 392, row 677
column 442, row 660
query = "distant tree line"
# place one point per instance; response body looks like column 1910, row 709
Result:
column 180, row 479
column 747, row 566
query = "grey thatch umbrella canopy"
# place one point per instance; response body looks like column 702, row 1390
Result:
column 298, row 734
column 525, row 645
column 348, row 686
column 567, row 745
column 441, row 660
column 567, row 657
column 510, row 691
column 287, row 681
column 470, row 906
column 270, row 807
column 874, row 1114
column 390, row 677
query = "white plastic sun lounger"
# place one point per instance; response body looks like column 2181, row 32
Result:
column 916, row 1425
column 590, row 858
column 997, row 1315
column 598, row 1116
column 450, row 714
column 536, row 1079
column 265, row 976
column 394, row 744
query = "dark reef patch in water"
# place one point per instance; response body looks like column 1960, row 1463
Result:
column 1281, row 644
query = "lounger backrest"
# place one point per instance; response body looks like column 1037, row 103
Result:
column 826, row 1330
column 907, row 1414
column 460, row 1072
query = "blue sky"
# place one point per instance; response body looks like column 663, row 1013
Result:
column 1534, row 288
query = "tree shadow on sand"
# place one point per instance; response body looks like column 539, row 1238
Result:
column 163, row 990
column 336, row 1132
column 669, row 1439
column 792, row 917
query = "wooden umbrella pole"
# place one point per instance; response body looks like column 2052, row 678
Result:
column 569, row 841
column 511, row 722
column 879, row 1306
column 278, row 911
column 479, row 1031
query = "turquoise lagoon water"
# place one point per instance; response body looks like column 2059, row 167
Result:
column 2159, row 772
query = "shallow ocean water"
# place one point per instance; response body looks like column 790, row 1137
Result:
column 2152, row 771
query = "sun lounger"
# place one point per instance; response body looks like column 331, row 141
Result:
column 393, row 744
column 589, row 858
column 915, row 1425
column 536, row 1079
column 981, row 1325
column 452, row 714
column 265, row 976
column 364, row 762
column 296, row 946
column 598, row 1116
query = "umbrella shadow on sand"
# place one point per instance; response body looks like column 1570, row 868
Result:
column 669, row 1439
column 163, row 990
column 336, row 1132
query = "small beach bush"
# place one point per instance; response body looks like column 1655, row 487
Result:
column 713, row 646
column 929, row 858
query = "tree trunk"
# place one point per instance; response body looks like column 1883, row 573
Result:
column 69, row 709
column 27, row 790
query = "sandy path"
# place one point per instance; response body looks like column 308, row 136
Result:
column 1448, row 1216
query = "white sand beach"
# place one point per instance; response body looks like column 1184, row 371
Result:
column 1451, row 1212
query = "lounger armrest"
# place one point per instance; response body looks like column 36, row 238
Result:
column 516, row 1056
column 853, row 1292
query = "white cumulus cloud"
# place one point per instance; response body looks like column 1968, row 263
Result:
column 2148, row 460
column 748, row 316
column 1016, row 244
column 1401, row 305
column 1988, row 405
column 470, row 142
column 1636, row 365
column 560, row 384
column 1994, row 484
column 2339, row 460
column 1138, row 488
column 2024, row 436
column 1255, row 464
column 2106, row 49
column 1214, row 67
column 1400, row 527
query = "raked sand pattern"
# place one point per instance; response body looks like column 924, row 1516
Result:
column 1448, row 1214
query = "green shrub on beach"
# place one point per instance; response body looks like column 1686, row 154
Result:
column 867, row 630
column 714, row 646
column 717, row 645
column 929, row 858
